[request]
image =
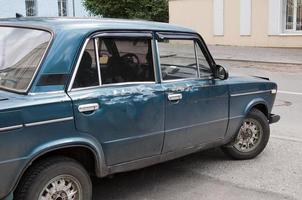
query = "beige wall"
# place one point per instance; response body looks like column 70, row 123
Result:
column 198, row 15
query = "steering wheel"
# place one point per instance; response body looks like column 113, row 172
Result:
column 131, row 59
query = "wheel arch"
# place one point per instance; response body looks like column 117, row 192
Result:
column 66, row 146
column 258, row 103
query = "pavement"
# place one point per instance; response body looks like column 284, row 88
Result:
column 257, row 54
column 276, row 174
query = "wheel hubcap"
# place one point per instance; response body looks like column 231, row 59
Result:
column 249, row 136
column 63, row 187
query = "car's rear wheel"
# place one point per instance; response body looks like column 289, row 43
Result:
column 251, row 138
column 56, row 178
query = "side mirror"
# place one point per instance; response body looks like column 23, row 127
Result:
column 221, row 72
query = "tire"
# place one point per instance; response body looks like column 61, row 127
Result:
column 58, row 171
column 254, row 129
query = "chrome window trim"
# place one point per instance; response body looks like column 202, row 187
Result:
column 78, row 64
column 183, row 79
column 96, row 49
column 43, row 93
column 94, row 37
column 84, row 88
column 158, row 65
column 48, row 121
column 9, row 128
column 196, row 57
column 250, row 93
column 128, row 83
column 111, row 85
column 154, row 56
column 41, row 60
column 116, row 34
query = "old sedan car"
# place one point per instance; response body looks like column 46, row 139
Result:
column 94, row 97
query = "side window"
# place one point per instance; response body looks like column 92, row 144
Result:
column 204, row 67
column 125, row 60
column 87, row 74
column 177, row 59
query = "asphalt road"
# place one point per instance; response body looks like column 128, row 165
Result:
column 210, row 175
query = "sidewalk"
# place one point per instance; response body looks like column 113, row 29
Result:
column 257, row 54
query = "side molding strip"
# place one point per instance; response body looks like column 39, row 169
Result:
column 250, row 93
column 48, row 121
column 8, row 128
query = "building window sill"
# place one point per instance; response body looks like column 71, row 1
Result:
column 298, row 33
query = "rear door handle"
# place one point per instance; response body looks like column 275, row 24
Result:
column 174, row 97
column 88, row 107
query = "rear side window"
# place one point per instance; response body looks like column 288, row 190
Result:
column 125, row 60
column 21, row 51
column 87, row 74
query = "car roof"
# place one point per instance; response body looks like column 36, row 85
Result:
column 69, row 35
column 89, row 25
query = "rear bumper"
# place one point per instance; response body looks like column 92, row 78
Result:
column 273, row 118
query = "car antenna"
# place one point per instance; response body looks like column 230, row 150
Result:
column 18, row 15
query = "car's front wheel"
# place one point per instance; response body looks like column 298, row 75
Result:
column 252, row 137
column 57, row 178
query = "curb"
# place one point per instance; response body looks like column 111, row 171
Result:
column 259, row 61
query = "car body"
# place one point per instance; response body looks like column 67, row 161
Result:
column 125, row 123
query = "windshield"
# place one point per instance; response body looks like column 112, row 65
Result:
column 21, row 50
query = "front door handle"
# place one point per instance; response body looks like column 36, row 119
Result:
column 88, row 107
column 174, row 97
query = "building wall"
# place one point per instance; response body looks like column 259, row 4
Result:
column 199, row 15
column 45, row 8
column 11, row 7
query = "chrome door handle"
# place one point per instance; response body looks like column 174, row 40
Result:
column 88, row 107
column 174, row 97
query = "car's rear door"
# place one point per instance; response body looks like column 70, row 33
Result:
column 116, row 98
column 196, row 110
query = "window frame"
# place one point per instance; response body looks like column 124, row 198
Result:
column 122, row 34
column 60, row 5
column 34, row 8
column 294, row 29
column 197, row 40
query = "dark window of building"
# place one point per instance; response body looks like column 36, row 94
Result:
column 31, row 7
column 62, row 8
column 293, row 15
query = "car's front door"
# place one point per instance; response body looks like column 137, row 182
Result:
column 116, row 98
column 196, row 110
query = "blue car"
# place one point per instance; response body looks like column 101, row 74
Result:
column 95, row 97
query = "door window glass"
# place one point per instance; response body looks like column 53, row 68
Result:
column 125, row 60
column 204, row 67
column 177, row 59
column 87, row 74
